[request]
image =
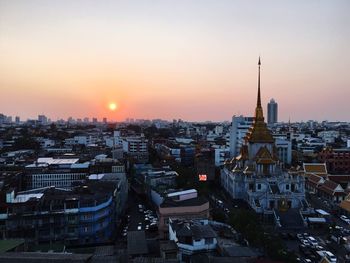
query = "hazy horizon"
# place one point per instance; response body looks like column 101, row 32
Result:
column 190, row 60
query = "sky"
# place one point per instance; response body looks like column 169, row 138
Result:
column 194, row 60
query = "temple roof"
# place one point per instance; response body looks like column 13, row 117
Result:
column 263, row 156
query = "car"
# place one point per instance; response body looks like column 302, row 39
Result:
column 219, row 203
column 300, row 237
column 330, row 256
column 312, row 241
column 344, row 218
column 318, row 248
column 305, row 242
column 345, row 231
column 147, row 227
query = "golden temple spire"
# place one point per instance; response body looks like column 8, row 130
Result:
column 259, row 133
column 258, row 104
column 258, row 110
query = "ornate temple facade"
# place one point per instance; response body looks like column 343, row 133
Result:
column 257, row 176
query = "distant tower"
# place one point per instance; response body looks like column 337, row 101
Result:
column 272, row 112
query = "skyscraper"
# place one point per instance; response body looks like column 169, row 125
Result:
column 272, row 112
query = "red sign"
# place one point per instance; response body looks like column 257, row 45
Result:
column 202, row 177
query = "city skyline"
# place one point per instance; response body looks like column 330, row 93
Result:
column 189, row 61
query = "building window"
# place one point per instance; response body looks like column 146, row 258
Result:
column 259, row 186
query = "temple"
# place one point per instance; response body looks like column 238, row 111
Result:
column 257, row 176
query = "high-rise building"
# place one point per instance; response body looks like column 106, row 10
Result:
column 17, row 120
column 239, row 128
column 272, row 112
column 42, row 119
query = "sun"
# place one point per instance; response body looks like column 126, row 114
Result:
column 112, row 106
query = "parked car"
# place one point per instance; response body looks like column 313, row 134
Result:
column 330, row 256
column 305, row 242
column 344, row 218
column 312, row 241
column 300, row 237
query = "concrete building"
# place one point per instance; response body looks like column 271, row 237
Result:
column 219, row 129
column 42, row 119
column 80, row 140
column 272, row 112
column 61, row 173
column 221, row 154
column 328, row 136
column 135, row 146
column 284, row 150
column 82, row 215
column 337, row 160
column 192, row 237
column 239, row 128
column 181, row 205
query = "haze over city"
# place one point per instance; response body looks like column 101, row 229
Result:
column 196, row 60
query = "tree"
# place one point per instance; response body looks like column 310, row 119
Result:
column 26, row 143
column 135, row 128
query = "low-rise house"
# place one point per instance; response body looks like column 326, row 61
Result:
column 331, row 191
column 313, row 182
column 192, row 237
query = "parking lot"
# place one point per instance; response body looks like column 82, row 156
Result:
column 311, row 244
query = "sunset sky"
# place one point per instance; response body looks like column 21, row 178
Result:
column 194, row 60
